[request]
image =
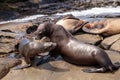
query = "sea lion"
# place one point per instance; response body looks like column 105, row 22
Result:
column 105, row 27
column 74, row 51
column 71, row 23
column 30, row 49
column 6, row 64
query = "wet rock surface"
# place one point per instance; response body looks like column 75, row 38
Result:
column 6, row 64
column 107, row 42
column 8, row 33
column 59, row 70
column 89, row 38
column 116, row 46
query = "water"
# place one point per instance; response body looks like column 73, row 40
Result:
column 88, row 14
column 94, row 11
column 25, row 19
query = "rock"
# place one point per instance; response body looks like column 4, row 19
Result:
column 112, row 52
column 6, row 48
column 59, row 70
column 35, row 1
column 15, row 27
column 6, row 64
column 116, row 46
column 7, row 40
column 89, row 38
column 107, row 42
column 9, row 32
column 7, row 35
column 3, row 71
column 44, row 1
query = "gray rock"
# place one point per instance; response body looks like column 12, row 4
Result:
column 116, row 46
column 89, row 38
column 107, row 42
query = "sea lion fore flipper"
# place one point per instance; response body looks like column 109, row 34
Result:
column 22, row 67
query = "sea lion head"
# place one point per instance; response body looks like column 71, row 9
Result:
column 43, row 29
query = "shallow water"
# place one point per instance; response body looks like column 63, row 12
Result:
column 88, row 14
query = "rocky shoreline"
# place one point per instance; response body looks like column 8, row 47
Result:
column 59, row 69
column 10, row 31
column 9, row 11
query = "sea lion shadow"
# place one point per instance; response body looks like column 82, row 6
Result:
column 48, row 66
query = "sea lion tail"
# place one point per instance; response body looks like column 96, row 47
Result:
column 115, row 66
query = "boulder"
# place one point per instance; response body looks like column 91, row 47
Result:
column 89, row 38
column 116, row 46
column 6, row 48
column 107, row 42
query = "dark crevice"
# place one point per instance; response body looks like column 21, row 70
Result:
column 9, row 37
column 7, row 30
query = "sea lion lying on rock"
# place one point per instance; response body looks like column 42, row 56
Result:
column 71, row 23
column 74, row 51
column 30, row 49
column 105, row 27
column 6, row 64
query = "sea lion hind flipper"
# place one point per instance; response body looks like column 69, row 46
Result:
column 94, row 70
column 117, row 64
column 22, row 67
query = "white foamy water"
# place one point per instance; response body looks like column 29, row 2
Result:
column 95, row 11
column 103, row 11
column 27, row 18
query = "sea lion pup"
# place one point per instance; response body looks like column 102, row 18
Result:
column 74, row 51
column 71, row 23
column 31, row 49
column 105, row 27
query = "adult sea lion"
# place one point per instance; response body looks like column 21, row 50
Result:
column 105, row 27
column 71, row 23
column 30, row 49
column 74, row 51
